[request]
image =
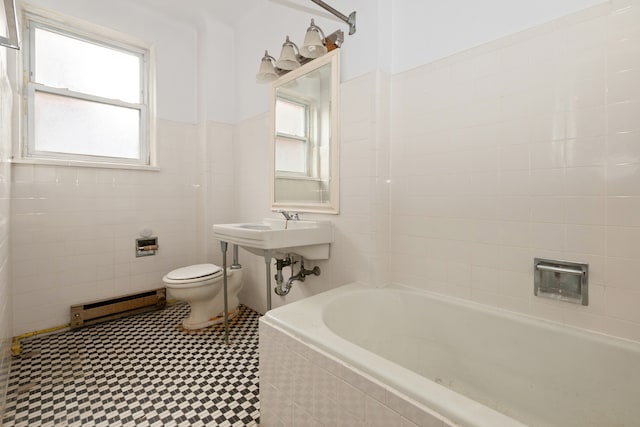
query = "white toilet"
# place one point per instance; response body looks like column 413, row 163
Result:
column 201, row 285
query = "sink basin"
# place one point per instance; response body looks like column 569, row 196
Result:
column 255, row 226
column 309, row 239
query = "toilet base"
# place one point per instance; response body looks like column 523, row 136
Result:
column 186, row 324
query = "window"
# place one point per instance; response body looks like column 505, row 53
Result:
column 87, row 96
column 292, row 137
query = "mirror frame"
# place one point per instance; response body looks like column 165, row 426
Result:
column 333, row 206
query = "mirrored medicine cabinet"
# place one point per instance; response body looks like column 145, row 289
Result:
column 304, row 137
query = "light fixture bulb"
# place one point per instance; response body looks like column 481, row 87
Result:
column 314, row 44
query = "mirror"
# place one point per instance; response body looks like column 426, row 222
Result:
column 304, row 110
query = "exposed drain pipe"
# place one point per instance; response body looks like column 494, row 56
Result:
column 283, row 289
column 280, row 264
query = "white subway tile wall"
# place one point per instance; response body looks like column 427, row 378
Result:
column 359, row 251
column 6, row 313
column 527, row 146
column 74, row 229
column 250, row 200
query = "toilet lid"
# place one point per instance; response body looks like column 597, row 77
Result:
column 193, row 272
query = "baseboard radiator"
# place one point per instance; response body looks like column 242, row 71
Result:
column 116, row 308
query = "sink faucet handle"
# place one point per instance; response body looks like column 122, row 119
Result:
column 285, row 214
column 290, row 215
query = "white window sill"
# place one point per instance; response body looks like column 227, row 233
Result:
column 84, row 164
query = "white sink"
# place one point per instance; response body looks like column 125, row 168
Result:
column 309, row 239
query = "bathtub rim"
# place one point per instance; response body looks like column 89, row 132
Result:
column 307, row 315
column 296, row 319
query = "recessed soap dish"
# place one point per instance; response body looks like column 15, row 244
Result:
column 561, row 280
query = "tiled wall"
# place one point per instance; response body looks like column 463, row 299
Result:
column 6, row 320
column 526, row 147
column 74, row 229
column 360, row 231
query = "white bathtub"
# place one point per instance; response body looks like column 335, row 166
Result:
column 458, row 362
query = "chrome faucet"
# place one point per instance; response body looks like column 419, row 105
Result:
column 290, row 216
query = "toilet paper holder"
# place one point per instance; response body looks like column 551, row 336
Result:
column 147, row 246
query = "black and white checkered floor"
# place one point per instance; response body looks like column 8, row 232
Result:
column 142, row 370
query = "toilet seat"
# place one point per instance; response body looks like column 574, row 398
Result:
column 192, row 274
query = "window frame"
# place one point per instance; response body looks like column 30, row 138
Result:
column 99, row 36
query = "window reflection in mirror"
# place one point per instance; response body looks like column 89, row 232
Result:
column 304, row 142
column 292, row 137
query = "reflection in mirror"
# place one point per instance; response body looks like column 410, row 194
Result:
column 305, row 146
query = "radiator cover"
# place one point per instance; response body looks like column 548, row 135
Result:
column 115, row 308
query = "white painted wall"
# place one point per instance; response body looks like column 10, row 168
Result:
column 424, row 31
column 265, row 26
column 216, row 72
column 392, row 36
column 175, row 44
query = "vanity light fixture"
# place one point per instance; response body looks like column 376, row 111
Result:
column 288, row 56
column 315, row 45
column 267, row 72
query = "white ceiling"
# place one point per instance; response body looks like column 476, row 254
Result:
column 227, row 11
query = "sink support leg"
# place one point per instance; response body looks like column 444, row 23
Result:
column 223, row 247
column 235, row 265
column 267, row 261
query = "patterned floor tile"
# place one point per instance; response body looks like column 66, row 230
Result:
column 142, row 370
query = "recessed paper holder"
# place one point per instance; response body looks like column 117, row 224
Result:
column 146, row 246
column 561, row 280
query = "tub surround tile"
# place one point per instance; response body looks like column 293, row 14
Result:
column 414, row 414
column 351, row 400
column 617, row 270
column 301, row 418
column 325, row 391
column 378, row 415
column 545, row 123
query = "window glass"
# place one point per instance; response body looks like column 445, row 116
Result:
column 291, row 155
column 291, row 137
column 86, row 95
column 70, row 125
column 291, row 118
column 80, row 66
